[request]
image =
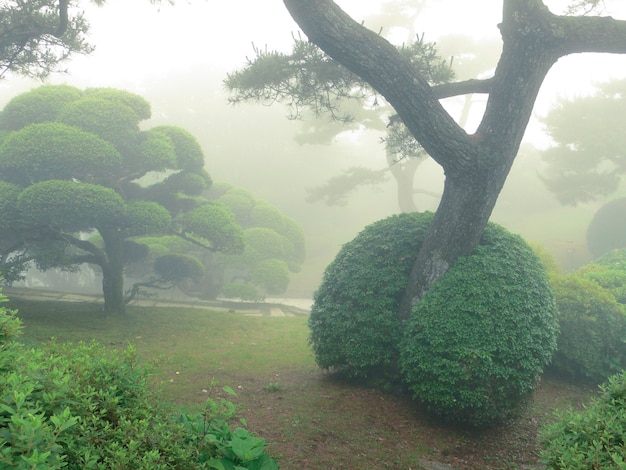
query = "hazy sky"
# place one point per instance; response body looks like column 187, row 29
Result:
column 138, row 44
column 138, row 40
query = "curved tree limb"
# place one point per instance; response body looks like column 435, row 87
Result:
column 98, row 254
column 592, row 34
column 196, row 242
column 154, row 283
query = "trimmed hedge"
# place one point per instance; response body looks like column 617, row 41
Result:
column 609, row 271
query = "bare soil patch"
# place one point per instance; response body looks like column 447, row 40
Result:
column 314, row 420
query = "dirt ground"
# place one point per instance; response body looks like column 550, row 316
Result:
column 314, row 421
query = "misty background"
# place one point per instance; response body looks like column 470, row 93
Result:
column 178, row 56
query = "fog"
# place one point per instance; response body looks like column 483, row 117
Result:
column 177, row 57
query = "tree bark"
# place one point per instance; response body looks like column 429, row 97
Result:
column 113, row 272
column 456, row 229
column 475, row 166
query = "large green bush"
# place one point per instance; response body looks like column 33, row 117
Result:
column 591, row 344
column 83, row 407
column 593, row 438
column 477, row 342
column 354, row 320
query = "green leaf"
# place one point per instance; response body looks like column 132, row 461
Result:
column 245, row 446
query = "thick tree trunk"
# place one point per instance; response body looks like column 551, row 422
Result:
column 113, row 272
column 457, row 227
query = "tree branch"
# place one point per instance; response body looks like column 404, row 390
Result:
column 379, row 63
column 81, row 259
column 64, row 20
column 154, row 283
column 82, row 244
column 21, row 35
column 184, row 236
column 466, row 87
column 591, row 34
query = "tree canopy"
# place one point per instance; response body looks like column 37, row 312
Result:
column 74, row 163
column 588, row 158
column 274, row 247
column 38, row 35
column 311, row 84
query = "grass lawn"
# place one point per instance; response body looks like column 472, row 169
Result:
column 311, row 419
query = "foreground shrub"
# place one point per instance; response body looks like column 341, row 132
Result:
column 85, row 407
column 477, row 342
column 354, row 319
column 593, row 438
column 591, row 344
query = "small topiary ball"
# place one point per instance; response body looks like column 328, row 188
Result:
column 354, row 320
column 477, row 342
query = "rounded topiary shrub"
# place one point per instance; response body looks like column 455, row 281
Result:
column 477, row 342
column 354, row 320
column 607, row 230
column 593, row 327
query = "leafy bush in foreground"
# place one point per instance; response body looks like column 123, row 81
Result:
column 593, row 438
column 591, row 344
column 477, row 342
column 84, row 407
